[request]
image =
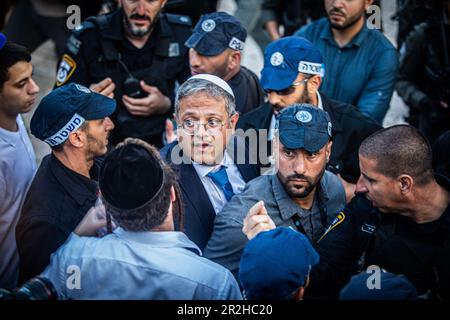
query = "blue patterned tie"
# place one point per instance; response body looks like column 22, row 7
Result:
column 220, row 178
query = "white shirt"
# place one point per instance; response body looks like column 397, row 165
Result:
column 215, row 193
column 17, row 169
column 273, row 121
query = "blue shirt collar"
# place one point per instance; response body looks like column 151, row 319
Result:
column 356, row 41
column 159, row 239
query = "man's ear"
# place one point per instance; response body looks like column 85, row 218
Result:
column 77, row 138
column 368, row 3
column 328, row 150
column 298, row 295
column 314, row 84
column 234, row 119
column 173, row 196
column 406, row 183
column 234, row 60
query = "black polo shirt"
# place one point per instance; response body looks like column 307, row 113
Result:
column 55, row 204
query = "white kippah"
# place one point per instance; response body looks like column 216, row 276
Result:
column 216, row 80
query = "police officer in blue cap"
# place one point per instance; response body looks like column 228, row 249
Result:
column 301, row 193
column 75, row 123
column 134, row 54
column 399, row 220
column 293, row 72
column 216, row 47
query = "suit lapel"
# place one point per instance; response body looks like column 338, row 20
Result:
column 195, row 193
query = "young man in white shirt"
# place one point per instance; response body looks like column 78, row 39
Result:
column 18, row 93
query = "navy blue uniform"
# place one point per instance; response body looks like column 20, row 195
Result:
column 55, row 204
column 361, row 236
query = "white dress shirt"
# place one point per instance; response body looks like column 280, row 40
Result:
column 215, row 193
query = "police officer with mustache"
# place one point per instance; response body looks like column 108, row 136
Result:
column 134, row 54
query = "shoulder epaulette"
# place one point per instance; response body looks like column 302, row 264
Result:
column 178, row 19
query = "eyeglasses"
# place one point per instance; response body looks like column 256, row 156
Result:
column 212, row 126
column 288, row 90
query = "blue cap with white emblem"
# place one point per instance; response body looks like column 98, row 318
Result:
column 285, row 58
column 216, row 32
column 304, row 126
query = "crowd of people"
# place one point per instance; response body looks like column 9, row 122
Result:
column 177, row 173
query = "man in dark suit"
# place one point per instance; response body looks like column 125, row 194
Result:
column 212, row 164
column 292, row 73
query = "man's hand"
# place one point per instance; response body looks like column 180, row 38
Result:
column 272, row 29
column 94, row 220
column 257, row 220
column 105, row 87
column 154, row 103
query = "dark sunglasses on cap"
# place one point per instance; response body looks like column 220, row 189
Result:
column 289, row 90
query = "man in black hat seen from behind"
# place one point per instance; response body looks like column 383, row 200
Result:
column 144, row 258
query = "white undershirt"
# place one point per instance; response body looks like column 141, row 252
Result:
column 215, row 193
column 17, row 169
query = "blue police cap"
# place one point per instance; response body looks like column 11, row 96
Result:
column 65, row 109
column 285, row 58
column 215, row 32
column 391, row 287
column 2, row 40
column 276, row 263
column 304, row 126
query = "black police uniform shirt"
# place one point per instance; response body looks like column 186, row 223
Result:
column 247, row 90
column 93, row 53
column 55, row 204
column 361, row 236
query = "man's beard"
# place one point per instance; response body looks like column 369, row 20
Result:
column 139, row 32
column 304, row 98
column 307, row 189
column 348, row 23
column 95, row 147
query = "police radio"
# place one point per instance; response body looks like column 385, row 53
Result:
column 131, row 85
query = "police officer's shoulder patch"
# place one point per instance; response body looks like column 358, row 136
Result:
column 179, row 19
column 73, row 45
column 65, row 70
column 86, row 25
column 337, row 221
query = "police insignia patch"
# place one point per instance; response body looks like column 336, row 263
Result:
column 208, row 25
column 174, row 49
column 276, row 59
column 73, row 45
column 303, row 116
column 66, row 68
column 368, row 228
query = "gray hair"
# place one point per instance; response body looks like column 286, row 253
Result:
column 194, row 86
